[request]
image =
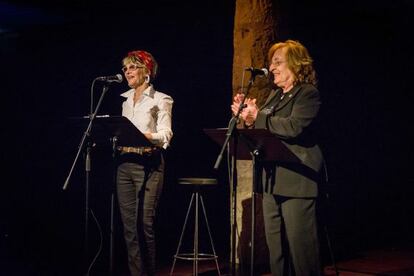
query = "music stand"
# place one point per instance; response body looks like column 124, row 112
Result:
column 127, row 134
column 120, row 132
column 257, row 145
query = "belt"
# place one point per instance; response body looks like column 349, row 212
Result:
column 138, row 150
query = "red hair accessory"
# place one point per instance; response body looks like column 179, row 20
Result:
column 145, row 57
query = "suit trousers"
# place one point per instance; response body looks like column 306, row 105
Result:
column 139, row 187
column 291, row 235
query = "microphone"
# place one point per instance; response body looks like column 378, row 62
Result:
column 256, row 71
column 116, row 78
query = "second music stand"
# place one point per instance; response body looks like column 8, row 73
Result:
column 257, row 145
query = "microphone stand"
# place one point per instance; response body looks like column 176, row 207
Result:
column 231, row 134
column 114, row 141
column 86, row 135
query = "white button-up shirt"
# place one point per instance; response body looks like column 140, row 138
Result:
column 151, row 113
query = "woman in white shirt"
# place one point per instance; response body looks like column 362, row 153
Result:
column 140, row 171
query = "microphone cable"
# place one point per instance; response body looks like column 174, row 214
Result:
column 100, row 243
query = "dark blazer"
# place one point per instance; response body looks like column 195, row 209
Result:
column 293, row 118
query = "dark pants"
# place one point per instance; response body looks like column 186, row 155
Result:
column 291, row 220
column 139, row 186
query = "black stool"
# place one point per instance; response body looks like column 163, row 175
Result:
column 196, row 256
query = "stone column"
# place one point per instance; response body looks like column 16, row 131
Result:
column 254, row 33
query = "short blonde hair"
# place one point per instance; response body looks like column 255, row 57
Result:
column 142, row 58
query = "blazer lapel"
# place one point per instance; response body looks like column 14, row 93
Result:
column 272, row 95
column 287, row 98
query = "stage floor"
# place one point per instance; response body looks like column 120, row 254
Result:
column 378, row 262
column 386, row 262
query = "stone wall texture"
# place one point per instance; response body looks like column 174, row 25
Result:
column 254, row 33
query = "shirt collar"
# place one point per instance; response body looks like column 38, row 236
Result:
column 149, row 92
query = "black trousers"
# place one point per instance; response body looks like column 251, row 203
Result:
column 139, row 186
column 291, row 234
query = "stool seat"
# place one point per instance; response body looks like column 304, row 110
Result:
column 197, row 181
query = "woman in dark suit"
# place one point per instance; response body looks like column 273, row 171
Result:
column 290, row 190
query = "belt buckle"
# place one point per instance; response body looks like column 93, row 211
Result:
column 143, row 151
column 147, row 151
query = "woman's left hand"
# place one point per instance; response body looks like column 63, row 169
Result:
column 249, row 113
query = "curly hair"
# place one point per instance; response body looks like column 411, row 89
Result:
column 298, row 59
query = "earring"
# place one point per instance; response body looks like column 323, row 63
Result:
column 147, row 78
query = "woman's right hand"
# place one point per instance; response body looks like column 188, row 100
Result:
column 237, row 100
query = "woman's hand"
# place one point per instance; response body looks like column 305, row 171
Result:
column 249, row 112
column 237, row 100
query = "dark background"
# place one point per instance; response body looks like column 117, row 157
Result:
column 51, row 51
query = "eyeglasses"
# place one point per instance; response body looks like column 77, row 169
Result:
column 277, row 62
column 131, row 67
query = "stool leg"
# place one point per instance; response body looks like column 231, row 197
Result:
column 195, row 263
column 182, row 234
column 209, row 234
